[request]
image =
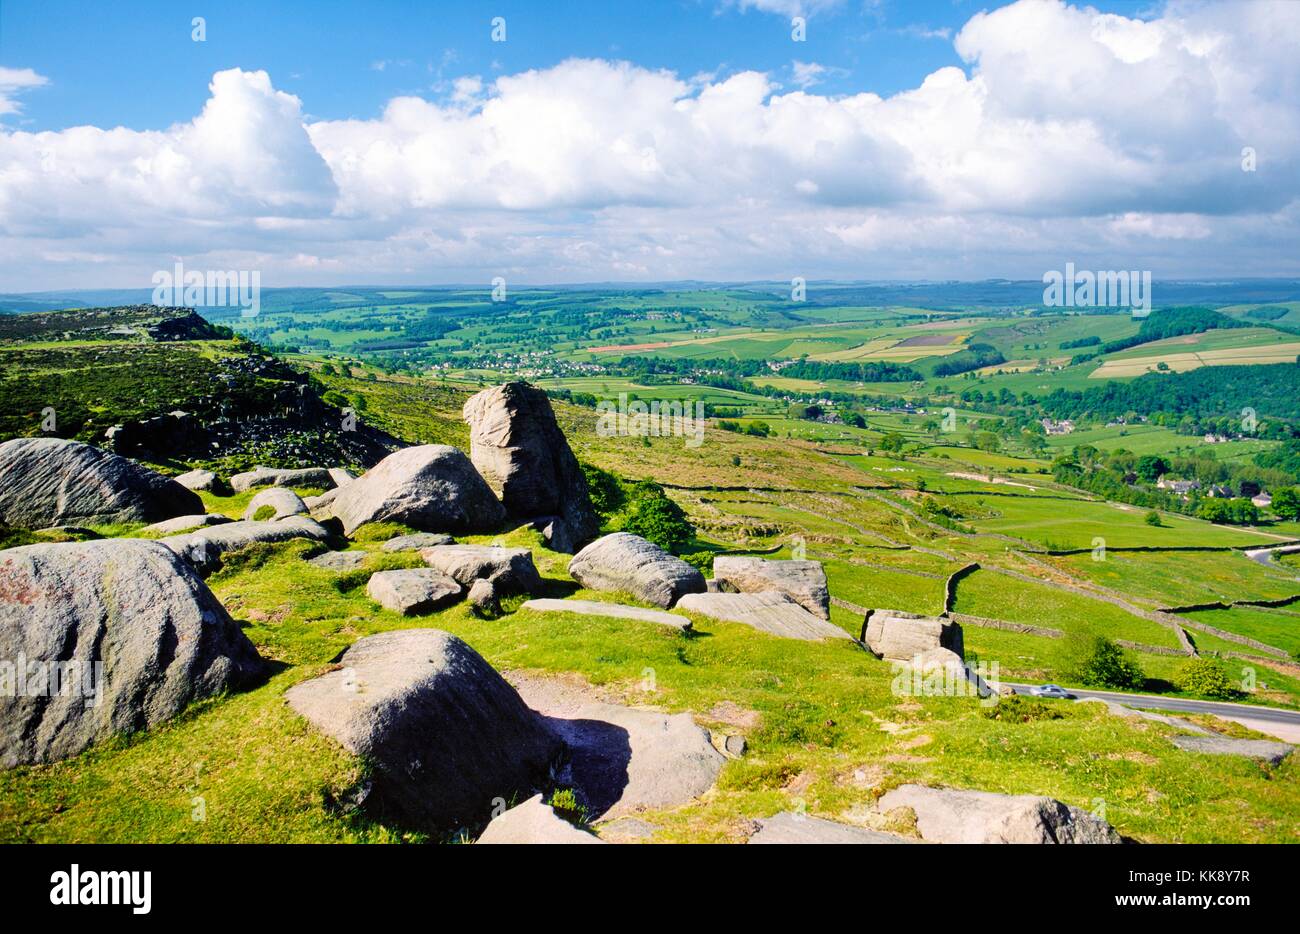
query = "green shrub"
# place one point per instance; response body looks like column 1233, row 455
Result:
column 658, row 519
column 606, row 492
column 1098, row 662
column 1205, row 676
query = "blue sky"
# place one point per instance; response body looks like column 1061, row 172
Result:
column 133, row 63
column 328, row 143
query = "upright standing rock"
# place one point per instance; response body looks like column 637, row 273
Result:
column 519, row 448
column 49, row 481
column 133, row 607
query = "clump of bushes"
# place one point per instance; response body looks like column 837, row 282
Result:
column 1014, row 708
column 1207, row 677
column 1098, row 662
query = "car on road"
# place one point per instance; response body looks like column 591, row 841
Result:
column 1051, row 690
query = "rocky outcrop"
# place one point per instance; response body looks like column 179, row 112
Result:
column 629, row 563
column 900, row 636
column 413, row 590
column 946, row 815
column 417, row 541
column 158, row 437
column 320, row 477
column 281, row 502
column 200, row 479
column 444, row 733
column 770, row 612
column 433, row 488
column 519, row 448
column 804, row 582
column 48, row 481
column 534, row 821
column 203, row 549
column 129, row 606
column 609, row 611
column 792, row 827
column 510, row 570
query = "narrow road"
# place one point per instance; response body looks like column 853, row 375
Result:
column 1265, row 555
column 1183, row 705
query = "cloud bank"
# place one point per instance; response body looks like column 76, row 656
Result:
column 1070, row 135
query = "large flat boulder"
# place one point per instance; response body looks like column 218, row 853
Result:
column 184, row 524
column 445, row 733
column 281, row 502
column 948, row 815
column 610, row 611
column 769, row 612
column 432, row 488
column 203, row 549
column 792, row 827
column 534, row 821
column 131, row 607
column 49, row 481
column 418, row 540
column 510, row 570
column 1271, row 751
column 902, row 636
column 413, row 590
column 320, row 477
column 804, row 582
column 622, row 760
column 199, row 479
column 519, row 448
column 628, row 563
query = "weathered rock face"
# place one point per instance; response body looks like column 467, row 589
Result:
column 432, row 487
column 413, row 590
column 511, row 570
column 445, row 732
column 282, row 503
column 626, row 562
column 903, row 636
column 199, row 480
column 417, row 541
column 322, row 477
column 790, row 827
column 609, row 611
column 162, row 638
column 203, row 549
column 521, row 451
column 533, row 822
column 945, row 815
column 49, row 481
column 804, row 582
column 769, row 612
